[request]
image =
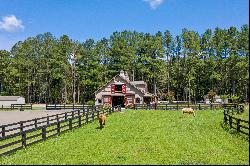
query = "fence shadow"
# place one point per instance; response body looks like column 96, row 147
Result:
column 233, row 132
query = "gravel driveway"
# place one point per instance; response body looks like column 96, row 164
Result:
column 7, row 117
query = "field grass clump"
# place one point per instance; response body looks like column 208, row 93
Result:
column 143, row 137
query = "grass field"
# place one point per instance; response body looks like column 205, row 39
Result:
column 143, row 137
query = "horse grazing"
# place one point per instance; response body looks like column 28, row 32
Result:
column 188, row 111
column 102, row 119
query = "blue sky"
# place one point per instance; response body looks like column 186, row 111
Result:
column 82, row 19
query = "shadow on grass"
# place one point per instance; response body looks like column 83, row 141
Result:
column 100, row 128
column 234, row 132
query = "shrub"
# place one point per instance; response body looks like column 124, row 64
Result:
column 90, row 102
column 170, row 96
column 224, row 97
column 211, row 95
column 234, row 98
column 106, row 106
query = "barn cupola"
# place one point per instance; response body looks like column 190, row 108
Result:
column 124, row 75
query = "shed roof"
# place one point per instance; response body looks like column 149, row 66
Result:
column 137, row 82
column 9, row 98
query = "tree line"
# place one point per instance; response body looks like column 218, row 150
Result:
column 47, row 69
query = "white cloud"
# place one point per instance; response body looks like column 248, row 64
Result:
column 154, row 3
column 11, row 24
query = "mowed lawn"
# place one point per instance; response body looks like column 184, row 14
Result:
column 142, row 137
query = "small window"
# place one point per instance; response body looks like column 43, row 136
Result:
column 99, row 101
column 137, row 100
column 118, row 88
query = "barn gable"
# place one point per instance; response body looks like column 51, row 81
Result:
column 121, row 91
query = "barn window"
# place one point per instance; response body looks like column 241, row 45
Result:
column 137, row 100
column 118, row 88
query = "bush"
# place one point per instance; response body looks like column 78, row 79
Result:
column 106, row 106
column 224, row 97
column 235, row 98
column 211, row 94
column 90, row 102
column 170, row 96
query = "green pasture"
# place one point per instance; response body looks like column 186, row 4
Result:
column 143, row 137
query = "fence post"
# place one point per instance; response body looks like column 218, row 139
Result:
column 65, row 116
column 166, row 107
column 199, row 106
column 55, row 106
column 211, row 105
column 35, row 123
column 44, row 132
column 24, row 139
column 70, row 124
column 230, row 121
column 31, row 106
column 177, row 105
column 79, row 118
column 72, row 114
column 47, row 120
column 3, row 131
column 225, row 117
column 58, row 124
column 21, row 126
column 73, row 106
column 93, row 114
column 87, row 116
column 97, row 114
column 64, row 106
column 238, row 125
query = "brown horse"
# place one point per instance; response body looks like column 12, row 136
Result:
column 102, row 119
column 188, row 111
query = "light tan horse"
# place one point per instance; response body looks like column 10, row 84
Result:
column 188, row 111
column 102, row 120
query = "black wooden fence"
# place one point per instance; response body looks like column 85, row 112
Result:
column 174, row 106
column 67, row 106
column 19, row 135
column 240, row 125
column 16, row 107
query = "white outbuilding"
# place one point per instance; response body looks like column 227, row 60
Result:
column 8, row 100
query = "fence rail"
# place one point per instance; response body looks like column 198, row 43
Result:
column 19, row 135
column 240, row 125
column 67, row 106
column 16, row 107
column 21, row 106
column 174, row 106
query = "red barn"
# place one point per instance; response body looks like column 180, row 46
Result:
column 120, row 90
